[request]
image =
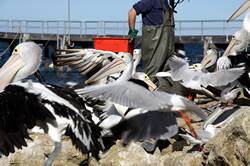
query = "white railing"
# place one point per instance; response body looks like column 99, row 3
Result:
column 103, row 28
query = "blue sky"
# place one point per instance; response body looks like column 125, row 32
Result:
column 105, row 10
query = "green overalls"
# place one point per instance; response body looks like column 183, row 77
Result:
column 158, row 45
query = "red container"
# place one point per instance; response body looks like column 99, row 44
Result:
column 115, row 44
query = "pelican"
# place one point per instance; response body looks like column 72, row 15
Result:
column 210, row 59
column 240, row 39
column 243, row 7
column 117, row 70
column 85, row 61
column 89, row 61
column 57, row 111
column 131, row 95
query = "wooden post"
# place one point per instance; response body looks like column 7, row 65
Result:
column 46, row 56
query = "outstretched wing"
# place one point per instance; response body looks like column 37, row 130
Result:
column 125, row 93
column 19, row 111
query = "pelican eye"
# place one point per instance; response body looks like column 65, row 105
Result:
column 15, row 50
column 122, row 56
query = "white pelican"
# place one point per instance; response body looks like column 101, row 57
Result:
column 131, row 95
column 57, row 111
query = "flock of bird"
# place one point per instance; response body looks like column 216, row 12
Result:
column 116, row 100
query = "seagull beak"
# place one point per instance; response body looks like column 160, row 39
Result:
column 116, row 66
column 229, row 47
column 9, row 69
column 240, row 10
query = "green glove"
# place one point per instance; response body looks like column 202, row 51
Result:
column 132, row 33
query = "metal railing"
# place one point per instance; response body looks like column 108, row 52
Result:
column 103, row 28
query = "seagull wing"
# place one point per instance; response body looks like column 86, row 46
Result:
column 180, row 69
column 221, row 77
column 124, row 93
column 178, row 103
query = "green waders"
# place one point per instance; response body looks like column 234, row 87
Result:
column 158, row 45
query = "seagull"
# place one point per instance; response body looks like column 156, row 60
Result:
column 58, row 111
column 129, row 94
column 215, row 122
column 198, row 80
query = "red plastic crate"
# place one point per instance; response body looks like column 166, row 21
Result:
column 115, row 44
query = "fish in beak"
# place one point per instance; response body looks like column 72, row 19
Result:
column 9, row 69
column 151, row 85
column 240, row 10
column 116, row 66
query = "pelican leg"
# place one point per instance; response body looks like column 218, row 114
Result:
column 188, row 122
column 54, row 154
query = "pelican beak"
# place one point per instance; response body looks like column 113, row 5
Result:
column 229, row 47
column 240, row 10
column 150, row 84
column 117, row 65
column 205, row 61
column 9, row 69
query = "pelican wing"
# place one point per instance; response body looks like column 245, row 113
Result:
column 19, row 112
column 221, row 77
column 125, row 93
column 84, row 60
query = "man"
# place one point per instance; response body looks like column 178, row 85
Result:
column 157, row 34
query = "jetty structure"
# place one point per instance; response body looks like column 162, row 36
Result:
column 190, row 35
